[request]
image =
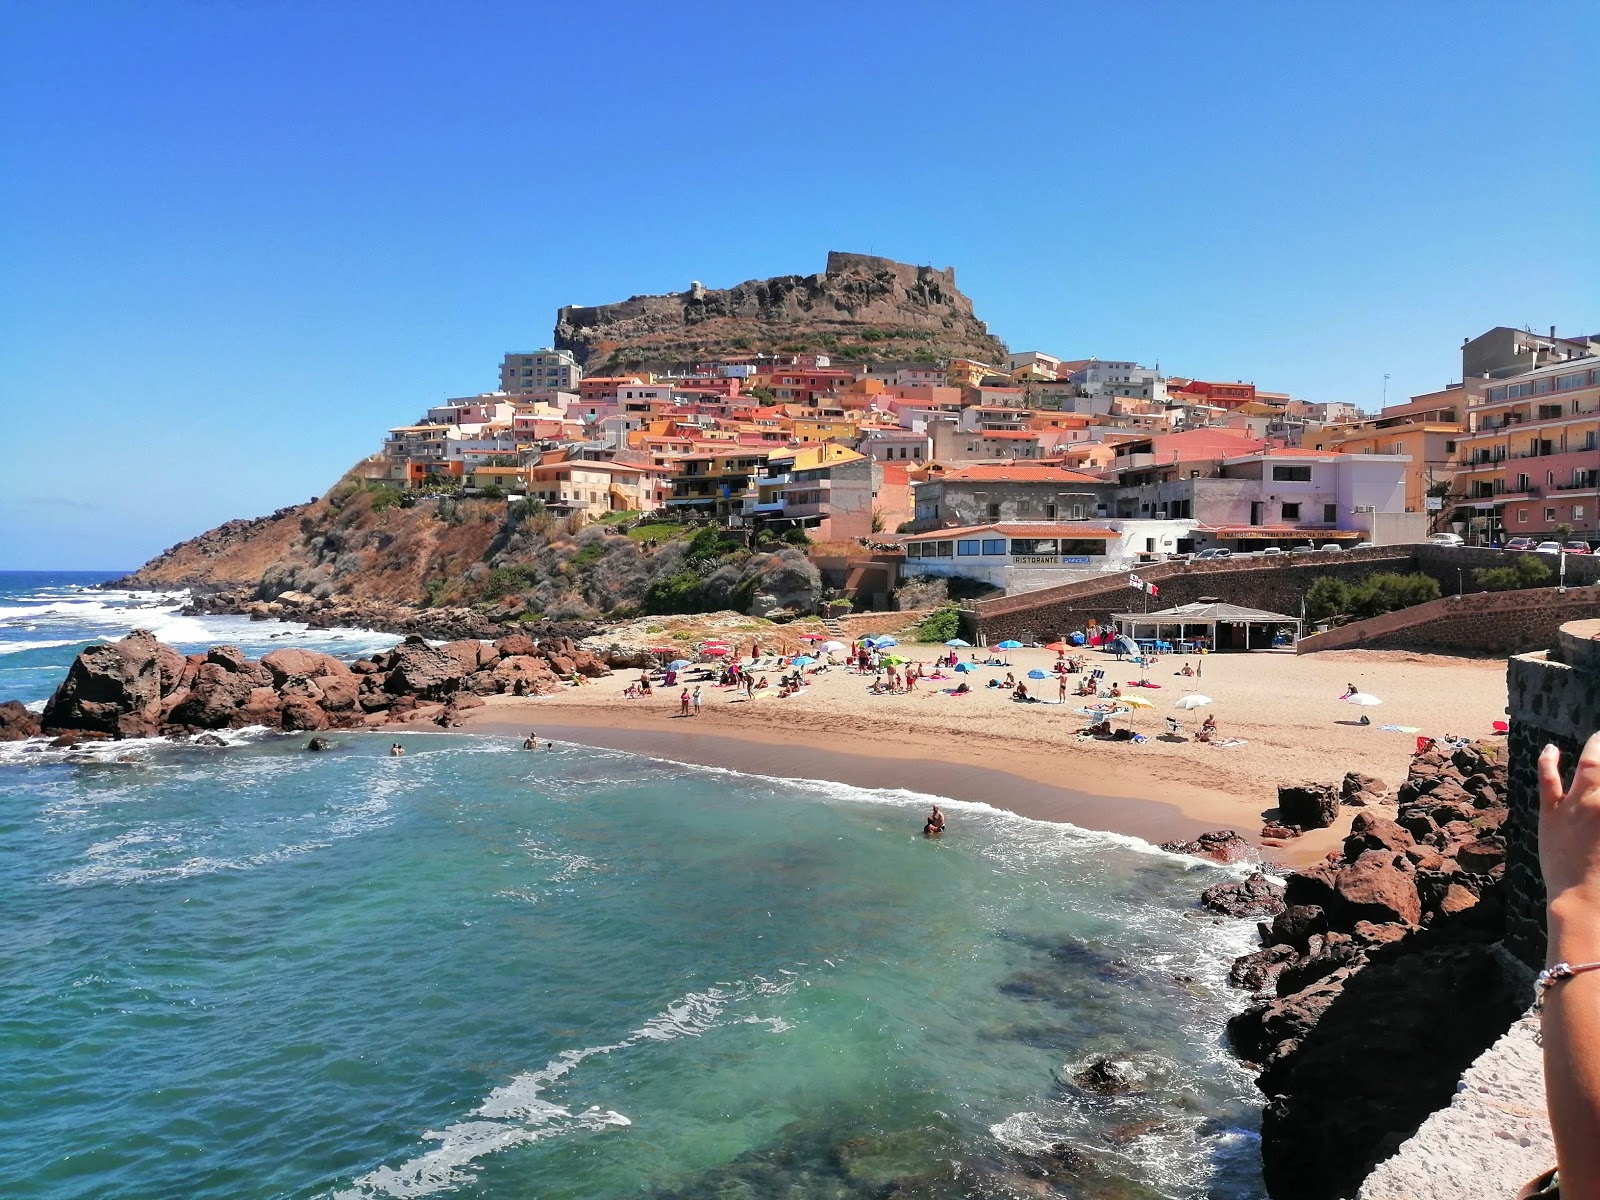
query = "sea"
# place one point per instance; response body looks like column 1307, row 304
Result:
column 248, row 971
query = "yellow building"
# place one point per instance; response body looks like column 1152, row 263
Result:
column 1426, row 428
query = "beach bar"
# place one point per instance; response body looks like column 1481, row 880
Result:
column 1226, row 626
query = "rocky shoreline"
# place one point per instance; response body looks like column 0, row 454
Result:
column 382, row 615
column 1381, row 975
column 140, row 687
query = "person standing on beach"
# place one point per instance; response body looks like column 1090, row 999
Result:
column 1061, row 689
column 696, row 700
column 683, row 703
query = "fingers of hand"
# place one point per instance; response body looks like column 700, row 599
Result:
column 1551, row 792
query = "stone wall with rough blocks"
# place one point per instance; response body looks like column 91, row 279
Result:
column 865, row 624
column 1275, row 584
column 1481, row 622
column 1554, row 697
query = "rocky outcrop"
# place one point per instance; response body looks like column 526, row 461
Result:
column 1219, row 845
column 139, row 687
column 1308, row 805
column 1381, row 978
column 16, row 722
column 1255, row 896
column 859, row 303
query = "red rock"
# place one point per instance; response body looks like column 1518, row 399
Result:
column 298, row 713
column 1368, row 832
column 1457, row 899
column 286, row 663
column 339, row 692
column 16, row 722
column 516, row 645
column 1218, row 845
column 1273, row 830
column 113, row 688
column 1359, row 789
column 1480, row 854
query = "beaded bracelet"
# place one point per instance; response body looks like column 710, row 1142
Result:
column 1556, row 973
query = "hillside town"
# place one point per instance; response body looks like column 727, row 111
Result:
column 1034, row 470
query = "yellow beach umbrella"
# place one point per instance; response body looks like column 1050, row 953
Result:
column 1134, row 702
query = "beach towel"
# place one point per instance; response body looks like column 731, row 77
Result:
column 1228, row 743
column 1401, row 728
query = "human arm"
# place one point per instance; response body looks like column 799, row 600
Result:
column 1569, row 857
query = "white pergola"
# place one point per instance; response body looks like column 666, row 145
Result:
column 1210, row 617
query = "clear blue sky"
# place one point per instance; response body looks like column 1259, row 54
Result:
column 239, row 239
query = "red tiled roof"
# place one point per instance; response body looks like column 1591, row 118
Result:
column 1008, row 433
column 1282, row 531
column 1017, row 473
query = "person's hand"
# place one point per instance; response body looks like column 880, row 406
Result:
column 1569, row 849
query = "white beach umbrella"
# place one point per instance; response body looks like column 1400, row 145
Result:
column 1364, row 699
column 1188, row 702
column 832, row 647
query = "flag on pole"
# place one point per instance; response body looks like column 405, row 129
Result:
column 1134, row 581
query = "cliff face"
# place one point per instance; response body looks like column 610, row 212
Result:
column 860, row 307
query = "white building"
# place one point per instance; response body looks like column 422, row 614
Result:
column 1097, row 375
column 540, row 371
column 1022, row 557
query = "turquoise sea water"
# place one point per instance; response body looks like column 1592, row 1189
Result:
column 478, row 971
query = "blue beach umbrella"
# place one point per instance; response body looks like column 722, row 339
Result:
column 1038, row 674
column 885, row 641
column 679, row 665
column 1009, row 646
column 801, row 660
column 965, row 667
column 958, row 643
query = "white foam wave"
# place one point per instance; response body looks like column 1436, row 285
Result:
column 517, row 1112
column 52, row 644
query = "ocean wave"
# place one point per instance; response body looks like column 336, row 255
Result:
column 54, row 644
column 517, row 1112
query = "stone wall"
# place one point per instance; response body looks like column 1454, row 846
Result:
column 1481, row 622
column 1554, row 697
column 1275, row 584
column 864, row 624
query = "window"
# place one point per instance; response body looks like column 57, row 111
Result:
column 1449, row 447
column 1330, row 513
column 1291, row 512
column 968, row 547
column 1050, row 511
column 1522, row 516
column 994, row 545
column 1033, row 546
column 994, row 512
column 913, row 549
column 1291, row 474
column 1549, row 514
column 1577, row 512
column 943, row 549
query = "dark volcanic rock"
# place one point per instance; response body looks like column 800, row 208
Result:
column 114, row 688
column 1308, row 805
column 16, row 722
column 1256, row 896
column 1106, row 1077
column 1219, row 845
column 1359, row 789
column 319, row 743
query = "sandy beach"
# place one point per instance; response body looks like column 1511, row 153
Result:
column 1283, row 709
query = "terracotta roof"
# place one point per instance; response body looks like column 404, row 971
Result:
column 1045, row 529
column 1008, row 433
column 1282, row 531
column 1017, row 473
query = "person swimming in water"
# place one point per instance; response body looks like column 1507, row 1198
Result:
column 934, row 825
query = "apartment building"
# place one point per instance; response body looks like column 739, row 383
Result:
column 970, row 495
column 1426, row 430
column 1530, row 459
column 539, row 371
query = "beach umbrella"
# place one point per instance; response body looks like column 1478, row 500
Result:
column 813, row 637
column 714, row 651
column 1126, row 645
column 958, row 643
column 663, row 650
column 832, row 647
column 1058, row 647
column 801, row 660
column 712, row 644
column 1009, row 645
column 679, row 665
column 965, row 667
column 1190, row 702
column 1364, row 699
column 1134, row 702
column 895, row 660
column 880, row 643
column 1038, row 674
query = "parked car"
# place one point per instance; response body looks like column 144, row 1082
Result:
column 1331, row 546
column 1520, row 543
column 1362, row 546
column 1578, row 548
column 1212, row 554
column 1304, row 548
column 1548, row 548
column 1446, row 539
column 1273, row 550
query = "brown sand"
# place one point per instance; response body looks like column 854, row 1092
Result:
column 1027, row 757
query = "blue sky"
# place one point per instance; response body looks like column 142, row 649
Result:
column 238, row 240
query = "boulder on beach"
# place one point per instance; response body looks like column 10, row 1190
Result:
column 112, row 688
column 1308, row 805
column 1219, row 845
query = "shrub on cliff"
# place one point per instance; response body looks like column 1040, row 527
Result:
column 1372, row 597
column 940, row 625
